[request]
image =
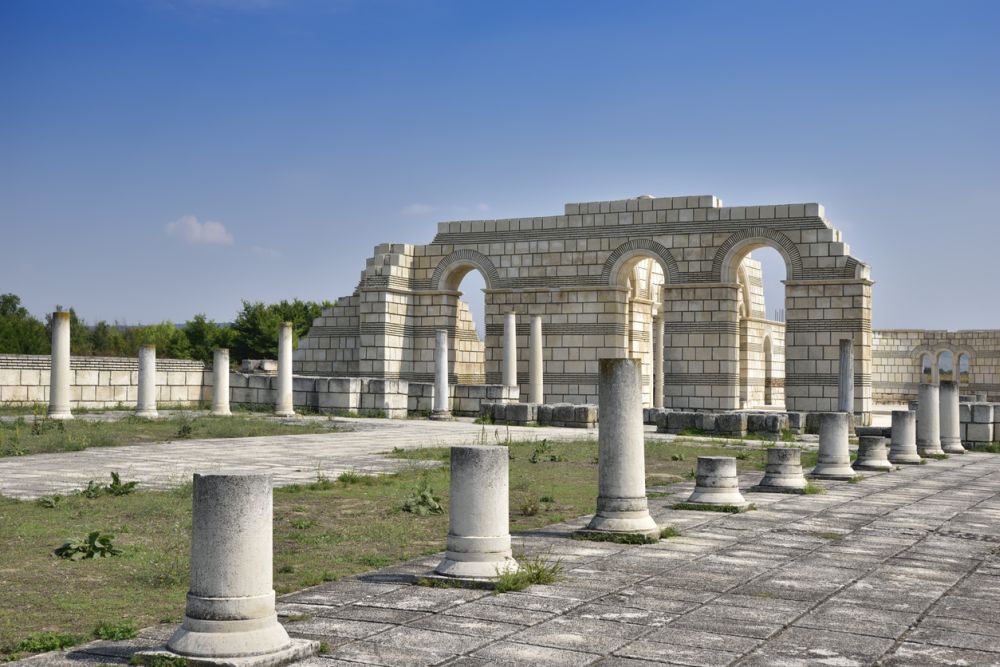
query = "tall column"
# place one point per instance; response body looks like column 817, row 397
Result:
column 145, row 405
column 834, row 460
column 59, row 372
column 478, row 517
column 284, row 405
column 510, row 349
column 928, row 420
column 230, row 603
column 951, row 427
column 536, row 391
column 441, row 389
column 220, row 383
column 658, row 362
column 621, row 499
column 845, row 380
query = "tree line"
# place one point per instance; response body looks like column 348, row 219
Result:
column 253, row 334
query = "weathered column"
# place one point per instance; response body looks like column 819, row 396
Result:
column 59, row 370
column 834, row 460
column 510, row 349
column 230, row 603
column 845, row 380
column 220, row 383
column 716, row 482
column 903, row 445
column 478, row 516
column 951, row 427
column 146, row 395
column 872, row 454
column 536, row 377
column 658, row 362
column 783, row 471
column 284, row 402
column 621, row 499
column 441, row 389
column 928, row 420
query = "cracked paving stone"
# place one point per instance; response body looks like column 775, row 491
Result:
column 582, row 634
column 909, row 654
column 528, row 654
column 678, row 654
column 811, row 647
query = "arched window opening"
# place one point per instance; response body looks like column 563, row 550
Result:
column 761, row 309
column 946, row 369
column 926, row 367
column 964, row 376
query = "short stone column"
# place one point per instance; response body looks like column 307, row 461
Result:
column 220, row 383
column 951, row 427
column 284, row 405
column 716, row 482
column 658, row 362
column 510, row 349
column 536, row 375
column 834, row 452
column 903, row 445
column 621, row 468
column 442, row 409
column 146, row 396
column 872, row 454
column 230, row 603
column 845, row 380
column 783, row 471
column 928, row 421
column 60, row 378
column 478, row 544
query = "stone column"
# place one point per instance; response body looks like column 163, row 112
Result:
column 59, row 371
column 783, row 471
column 928, row 420
column 220, row 383
column 871, row 454
column 903, row 445
column 621, row 499
column 510, row 349
column 146, row 400
column 230, row 603
column 834, row 453
column 441, row 389
column 536, row 376
column 478, row 517
column 951, row 427
column 716, row 483
column 845, row 380
column 658, row 362
column 284, row 402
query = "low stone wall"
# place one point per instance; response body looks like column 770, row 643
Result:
column 770, row 425
column 102, row 382
column 897, row 368
column 980, row 424
column 554, row 414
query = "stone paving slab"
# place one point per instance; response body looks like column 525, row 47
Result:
column 844, row 585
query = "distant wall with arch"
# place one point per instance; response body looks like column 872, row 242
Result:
column 902, row 358
column 583, row 273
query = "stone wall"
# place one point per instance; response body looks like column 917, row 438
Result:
column 897, row 365
column 102, row 382
column 578, row 272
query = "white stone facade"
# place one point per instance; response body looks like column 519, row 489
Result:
column 903, row 358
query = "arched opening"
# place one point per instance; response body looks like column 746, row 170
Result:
column 926, row 368
column 946, row 368
column 643, row 277
column 964, row 374
column 768, row 372
column 467, row 315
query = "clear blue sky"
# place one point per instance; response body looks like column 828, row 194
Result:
column 308, row 132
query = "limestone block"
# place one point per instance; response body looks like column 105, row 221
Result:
column 303, row 384
column 563, row 413
column 10, row 377
column 681, row 421
column 796, row 421
column 783, row 471
column 522, row 413
column 121, row 378
column 872, row 454
column 716, row 482
column 979, row 433
column 84, row 377
column 239, row 380
column 546, row 413
column 500, row 412
column 731, row 423
column 706, row 421
column 982, row 413
column 755, row 422
column 259, row 381
column 486, row 410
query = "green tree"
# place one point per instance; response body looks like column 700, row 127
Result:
column 170, row 342
column 109, row 341
column 204, row 336
column 20, row 333
column 256, row 325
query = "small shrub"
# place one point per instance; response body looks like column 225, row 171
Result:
column 535, row 570
column 547, row 499
column 422, row 501
column 49, row 501
column 92, row 490
column 350, row 477
column 116, row 631
column 38, row 642
column 676, row 457
column 691, row 474
column 185, row 429
column 543, row 452
column 811, row 488
column 787, row 435
column 95, row 545
column 286, row 569
column 117, row 488
column 530, row 507
column 857, row 478
column 669, row 531
column 743, row 455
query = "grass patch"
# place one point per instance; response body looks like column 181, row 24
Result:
column 617, row 538
column 811, row 489
column 669, row 531
column 116, row 631
column 534, row 570
column 827, row 535
column 728, row 509
column 936, row 457
column 45, row 436
column 857, row 478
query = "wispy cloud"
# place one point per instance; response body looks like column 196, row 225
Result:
column 193, row 232
column 266, row 253
column 416, row 209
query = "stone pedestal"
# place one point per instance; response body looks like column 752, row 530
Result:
column 951, row 427
column 845, row 378
column 230, row 604
column 536, row 376
column 510, row 350
column 478, row 514
column 146, row 395
column 903, row 446
column 928, row 421
column 442, row 408
column 716, row 482
column 220, row 383
column 834, row 453
column 657, row 362
column 872, row 454
column 284, row 404
column 783, row 471
column 60, row 373
column 621, row 499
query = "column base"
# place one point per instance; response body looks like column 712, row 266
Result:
column 221, row 413
column 147, row 414
column 952, row 447
column 284, row 413
column 927, row 452
column 298, row 649
column 61, row 415
column 841, row 471
column 906, row 459
column 882, row 466
column 442, row 415
column 475, row 569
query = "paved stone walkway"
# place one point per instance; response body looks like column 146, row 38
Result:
column 899, row 569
